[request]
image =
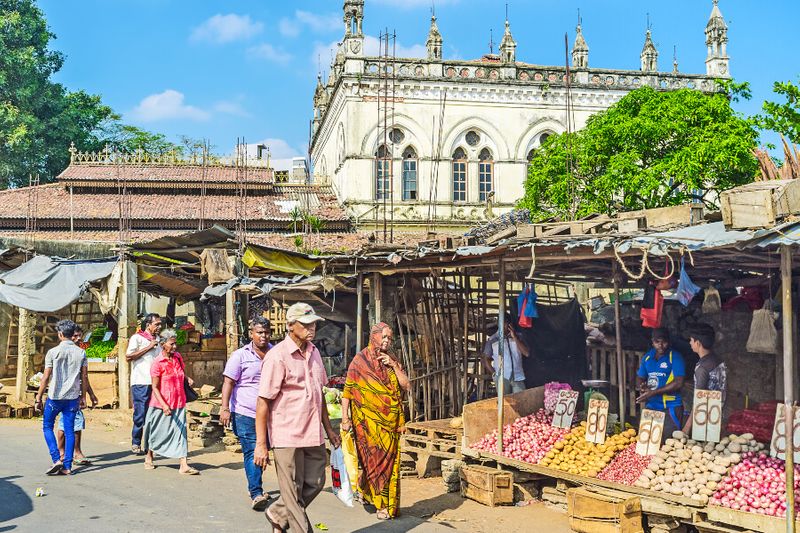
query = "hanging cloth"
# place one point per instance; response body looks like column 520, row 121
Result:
column 686, row 288
column 526, row 301
column 651, row 318
column 711, row 302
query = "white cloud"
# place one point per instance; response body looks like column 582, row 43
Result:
column 270, row 53
column 221, row 29
column 228, row 107
column 317, row 23
column 165, row 106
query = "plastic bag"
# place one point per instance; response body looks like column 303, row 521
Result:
column 686, row 288
column 651, row 318
column 339, row 479
column 763, row 335
column 711, row 302
column 350, row 458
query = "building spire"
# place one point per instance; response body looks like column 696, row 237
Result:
column 717, row 61
column 508, row 46
column 580, row 50
column 649, row 54
column 435, row 41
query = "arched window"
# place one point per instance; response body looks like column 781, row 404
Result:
column 383, row 164
column 485, row 171
column 410, row 174
column 459, row 175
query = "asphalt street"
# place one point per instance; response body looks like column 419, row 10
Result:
column 115, row 493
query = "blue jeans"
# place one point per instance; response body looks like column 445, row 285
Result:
column 67, row 409
column 245, row 428
column 140, row 397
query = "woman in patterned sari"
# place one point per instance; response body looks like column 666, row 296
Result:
column 372, row 406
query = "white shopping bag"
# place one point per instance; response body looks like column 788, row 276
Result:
column 339, row 478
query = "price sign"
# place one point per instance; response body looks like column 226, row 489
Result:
column 707, row 415
column 777, row 447
column 651, row 429
column 596, row 421
column 565, row 409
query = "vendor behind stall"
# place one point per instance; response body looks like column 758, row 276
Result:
column 660, row 379
column 710, row 373
column 514, row 350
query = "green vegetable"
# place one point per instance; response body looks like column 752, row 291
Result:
column 100, row 349
column 183, row 336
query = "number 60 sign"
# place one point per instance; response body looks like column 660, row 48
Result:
column 707, row 415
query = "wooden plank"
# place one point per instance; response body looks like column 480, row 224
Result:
column 679, row 215
column 752, row 521
column 481, row 417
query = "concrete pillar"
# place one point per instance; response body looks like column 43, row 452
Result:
column 231, row 322
column 26, row 348
column 126, row 327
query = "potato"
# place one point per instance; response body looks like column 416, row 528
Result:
column 735, row 447
column 678, row 445
column 678, row 435
column 715, row 477
column 649, row 474
column 696, row 449
column 720, row 447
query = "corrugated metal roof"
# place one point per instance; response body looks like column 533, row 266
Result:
column 788, row 233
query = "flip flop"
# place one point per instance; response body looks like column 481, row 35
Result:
column 55, row 469
column 82, row 462
column 64, row 472
column 149, row 466
column 190, row 472
column 273, row 523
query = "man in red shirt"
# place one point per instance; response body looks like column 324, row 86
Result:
column 291, row 410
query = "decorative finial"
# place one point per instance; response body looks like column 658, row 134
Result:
column 675, row 59
column 491, row 41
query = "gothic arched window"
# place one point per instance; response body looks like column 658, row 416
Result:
column 459, row 175
column 383, row 163
column 410, row 163
column 485, row 172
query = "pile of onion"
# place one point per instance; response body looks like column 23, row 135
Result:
column 626, row 467
column 756, row 485
column 526, row 439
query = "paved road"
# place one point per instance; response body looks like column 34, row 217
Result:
column 117, row 494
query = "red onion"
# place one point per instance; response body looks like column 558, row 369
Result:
column 756, row 485
column 626, row 467
column 527, row 439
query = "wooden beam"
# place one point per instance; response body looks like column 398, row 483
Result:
column 126, row 324
column 26, row 348
column 788, row 378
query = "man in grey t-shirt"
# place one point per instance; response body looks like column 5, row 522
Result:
column 710, row 372
column 65, row 377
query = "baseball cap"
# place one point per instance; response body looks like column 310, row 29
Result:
column 303, row 313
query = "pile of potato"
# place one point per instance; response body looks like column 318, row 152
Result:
column 575, row 455
column 685, row 467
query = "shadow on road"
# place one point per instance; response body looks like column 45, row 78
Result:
column 16, row 502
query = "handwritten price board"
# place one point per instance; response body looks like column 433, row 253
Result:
column 707, row 415
column 596, row 421
column 565, row 409
column 777, row 447
column 651, row 429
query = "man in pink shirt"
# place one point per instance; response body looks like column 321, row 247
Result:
column 291, row 410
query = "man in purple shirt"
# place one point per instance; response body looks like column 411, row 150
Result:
column 242, row 375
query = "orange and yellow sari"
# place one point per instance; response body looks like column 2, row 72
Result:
column 376, row 410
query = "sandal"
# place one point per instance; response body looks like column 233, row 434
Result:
column 149, row 466
column 273, row 523
column 82, row 462
column 190, row 472
column 55, row 469
column 382, row 514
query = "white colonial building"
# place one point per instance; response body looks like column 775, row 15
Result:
column 428, row 138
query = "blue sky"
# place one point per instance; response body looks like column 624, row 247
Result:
column 221, row 69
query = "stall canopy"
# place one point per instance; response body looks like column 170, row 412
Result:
column 46, row 285
column 186, row 248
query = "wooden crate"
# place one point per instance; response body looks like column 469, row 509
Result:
column 5, row 410
column 761, row 204
column 590, row 512
column 427, row 443
column 24, row 412
column 488, row 486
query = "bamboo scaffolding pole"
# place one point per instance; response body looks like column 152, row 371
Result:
column 621, row 388
column 788, row 381
column 501, row 327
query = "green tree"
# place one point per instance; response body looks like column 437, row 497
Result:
column 650, row 149
column 783, row 117
column 38, row 118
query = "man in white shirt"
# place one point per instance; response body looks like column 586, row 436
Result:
column 142, row 350
column 513, row 352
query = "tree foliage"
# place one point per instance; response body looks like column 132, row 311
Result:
column 783, row 117
column 38, row 117
column 650, row 149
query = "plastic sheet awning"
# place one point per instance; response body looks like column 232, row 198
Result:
column 46, row 285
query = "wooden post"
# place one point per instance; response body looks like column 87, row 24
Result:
column 231, row 322
column 621, row 385
column 26, row 349
column 465, row 369
column 360, row 314
column 377, row 297
column 788, row 379
column 126, row 327
column 501, row 330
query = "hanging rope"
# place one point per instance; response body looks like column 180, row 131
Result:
column 533, row 262
column 645, row 266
